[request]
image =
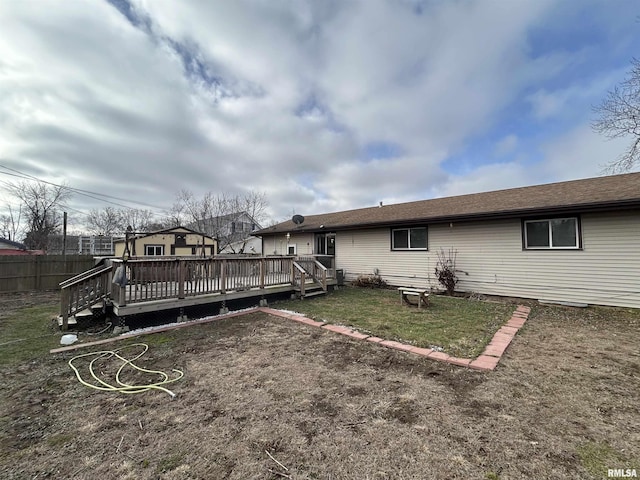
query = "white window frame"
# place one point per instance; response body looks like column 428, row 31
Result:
column 409, row 248
column 147, row 247
column 292, row 246
column 577, row 246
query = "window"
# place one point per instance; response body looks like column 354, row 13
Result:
column 181, row 239
column 409, row 238
column 154, row 249
column 559, row 233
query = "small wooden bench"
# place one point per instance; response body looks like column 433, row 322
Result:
column 421, row 293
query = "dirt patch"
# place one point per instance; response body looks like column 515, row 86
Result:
column 258, row 390
column 10, row 302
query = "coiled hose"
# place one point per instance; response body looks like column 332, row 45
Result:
column 121, row 386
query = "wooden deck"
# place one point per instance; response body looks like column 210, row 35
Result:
column 143, row 285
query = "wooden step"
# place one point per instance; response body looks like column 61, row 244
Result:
column 87, row 312
column 314, row 293
column 71, row 321
column 90, row 311
column 82, row 315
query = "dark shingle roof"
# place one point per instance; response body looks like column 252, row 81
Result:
column 611, row 192
column 163, row 231
column 17, row 245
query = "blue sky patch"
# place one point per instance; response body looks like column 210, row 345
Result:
column 382, row 150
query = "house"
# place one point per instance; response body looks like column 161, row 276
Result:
column 99, row 245
column 177, row 241
column 575, row 241
column 9, row 247
column 229, row 230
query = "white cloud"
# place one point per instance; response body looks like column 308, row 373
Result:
column 580, row 153
column 496, row 176
column 284, row 97
column 577, row 98
column 507, row 145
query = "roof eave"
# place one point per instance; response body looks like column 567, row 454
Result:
column 505, row 214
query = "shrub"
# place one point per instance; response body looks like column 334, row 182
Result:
column 370, row 281
column 446, row 270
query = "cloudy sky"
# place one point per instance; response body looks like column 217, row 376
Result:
column 323, row 105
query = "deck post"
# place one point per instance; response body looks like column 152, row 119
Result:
column 122, row 287
column 180, row 278
column 262, row 272
column 64, row 308
column 223, row 276
column 122, row 295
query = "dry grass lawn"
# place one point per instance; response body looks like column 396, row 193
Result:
column 266, row 398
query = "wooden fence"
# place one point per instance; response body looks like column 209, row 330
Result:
column 23, row 273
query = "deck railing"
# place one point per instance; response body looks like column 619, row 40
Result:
column 327, row 261
column 140, row 280
column 298, row 276
column 84, row 291
column 315, row 269
column 158, row 279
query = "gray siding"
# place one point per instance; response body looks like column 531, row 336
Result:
column 492, row 261
column 360, row 252
column 277, row 244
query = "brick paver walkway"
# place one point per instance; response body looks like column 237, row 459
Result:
column 488, row 360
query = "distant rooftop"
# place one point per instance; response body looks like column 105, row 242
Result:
column 11, row 243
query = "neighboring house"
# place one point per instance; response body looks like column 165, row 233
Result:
column 576, row 241
column 228, row 229
column 178, row 241
column 9, row 247
column 250, row 245
column 99, row 245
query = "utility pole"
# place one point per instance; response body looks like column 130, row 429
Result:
column 64, row 237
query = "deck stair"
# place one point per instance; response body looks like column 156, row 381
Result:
column 83, row 295
column 85, row 316
column 310, row 277
column 311, row 289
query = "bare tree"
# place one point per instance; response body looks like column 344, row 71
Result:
column 41, row 204
column 198, row 212
column 229, row 218
column 248, row 211
column 11, row 223
column 177, row 215
column 113, row 221
column 159, row 225
column 107, row 221
column 254, row 204
column 138, row 219
column 619, row 116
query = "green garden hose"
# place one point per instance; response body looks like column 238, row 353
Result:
column 121, row 386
